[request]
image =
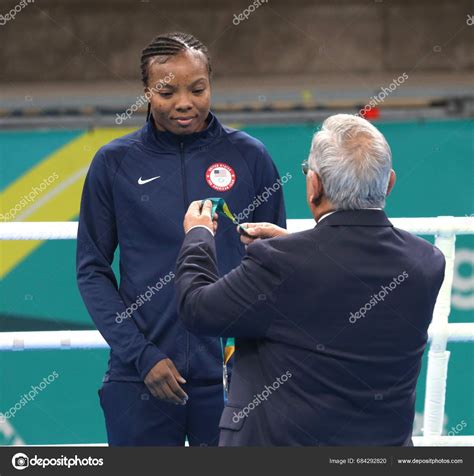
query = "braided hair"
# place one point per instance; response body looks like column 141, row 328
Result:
column 170, row 44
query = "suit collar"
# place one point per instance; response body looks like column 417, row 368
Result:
column 365, row 217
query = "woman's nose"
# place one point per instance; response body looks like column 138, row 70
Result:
column 183, row 103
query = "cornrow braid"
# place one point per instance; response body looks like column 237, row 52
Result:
column 170, row 44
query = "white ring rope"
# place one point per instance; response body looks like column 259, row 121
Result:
column 59, row 230
column 64, row 340
column 417, row 226
column 417, row 441
column 440, row 332
column 463, row 440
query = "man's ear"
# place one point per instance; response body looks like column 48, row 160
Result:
column 391, row 181
column 316, row 186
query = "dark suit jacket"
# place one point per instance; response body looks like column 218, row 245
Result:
column 330, row 326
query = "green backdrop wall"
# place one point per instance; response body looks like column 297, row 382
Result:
column 435, row 169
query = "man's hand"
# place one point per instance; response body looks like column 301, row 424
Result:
column 195, row 216
column 260, row 230
column 162, row 381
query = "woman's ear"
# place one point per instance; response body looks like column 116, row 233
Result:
column 391, row 181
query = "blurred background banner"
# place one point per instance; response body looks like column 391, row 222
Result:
column 70, row 82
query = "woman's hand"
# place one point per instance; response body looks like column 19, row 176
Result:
column 164, row 380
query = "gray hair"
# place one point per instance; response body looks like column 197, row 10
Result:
column 353, row 160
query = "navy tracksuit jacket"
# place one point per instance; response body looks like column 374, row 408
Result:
column 136, row 193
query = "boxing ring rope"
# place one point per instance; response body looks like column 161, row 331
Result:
column 440, row 332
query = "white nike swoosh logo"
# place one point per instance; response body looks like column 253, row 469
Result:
column 141, row 181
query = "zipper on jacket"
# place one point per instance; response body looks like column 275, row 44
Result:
column 183, row 174
column 186, row 204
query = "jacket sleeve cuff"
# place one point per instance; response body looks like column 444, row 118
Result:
column 150, row 356
column 201, row 226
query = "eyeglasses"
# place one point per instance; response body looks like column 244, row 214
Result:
column 305, row 167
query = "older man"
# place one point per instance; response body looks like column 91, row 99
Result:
column 330, row 323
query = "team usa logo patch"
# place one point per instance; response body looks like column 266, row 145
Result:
column 220, row 177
